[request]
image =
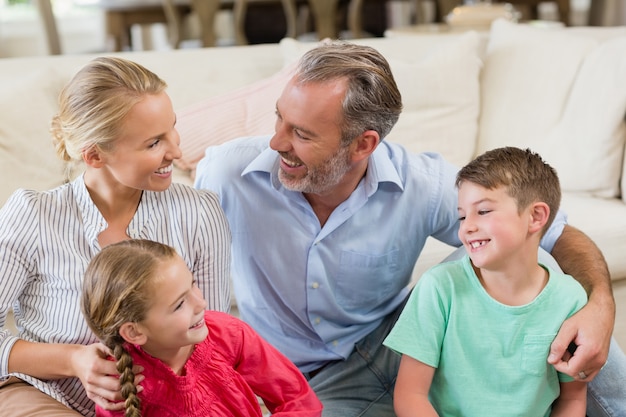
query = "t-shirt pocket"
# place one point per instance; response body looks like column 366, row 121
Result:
column 535, row 353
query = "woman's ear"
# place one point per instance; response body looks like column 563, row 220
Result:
column 93, row 157
column 539, row 214
column 132, row 333
column 364, row 145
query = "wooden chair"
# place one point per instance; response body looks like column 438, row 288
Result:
column 46, row 14
column 355, row 16
column 325, row 14
column 206, row 11
column 174, row 20
column 239, row 14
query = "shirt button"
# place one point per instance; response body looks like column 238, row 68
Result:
column 318, row 320
column 335, row 343
column 315, row 285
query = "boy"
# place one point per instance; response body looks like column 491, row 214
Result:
column 486, row 321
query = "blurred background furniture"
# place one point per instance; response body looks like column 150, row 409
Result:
column 121, row 15
column 356, row 10
column 330, row 17
column 46, row 15
column 116, row 25
column 529, row 8
column 325, row 17
column 207, row 10
column 607, row 13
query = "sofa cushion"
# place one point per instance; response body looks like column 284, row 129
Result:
column 562, row 93
column 439, row 82
column 604, row 221
column 28, row 157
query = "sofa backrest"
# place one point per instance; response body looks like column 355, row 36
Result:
column 29, row 88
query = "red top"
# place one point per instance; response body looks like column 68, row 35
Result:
column 223, row 377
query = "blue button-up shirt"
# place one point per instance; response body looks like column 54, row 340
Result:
column 314, row 291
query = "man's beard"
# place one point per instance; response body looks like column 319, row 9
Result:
column 321, row 178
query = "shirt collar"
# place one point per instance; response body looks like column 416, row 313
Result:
column 380, row 168
column 92, row 219
column 95, row 223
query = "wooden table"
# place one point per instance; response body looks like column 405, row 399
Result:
column 122, row 14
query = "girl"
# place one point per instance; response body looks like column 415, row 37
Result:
column 142, row 301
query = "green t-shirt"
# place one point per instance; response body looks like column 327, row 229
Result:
column 491, row 358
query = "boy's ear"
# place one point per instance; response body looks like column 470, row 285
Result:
column 93, row 157
column 539, row 214
column 365, row 144
column 132, row 333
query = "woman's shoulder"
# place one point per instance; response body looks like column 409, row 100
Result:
column 187, row 192
column 181, row 188
column 24, row 197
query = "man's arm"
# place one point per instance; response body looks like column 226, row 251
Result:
column 590, row 328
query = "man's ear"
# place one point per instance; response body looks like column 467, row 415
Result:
column 364, row 145
column 132, row 333
column 93, row 157
column 539, row 214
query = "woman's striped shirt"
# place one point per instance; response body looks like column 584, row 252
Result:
column 47, row 239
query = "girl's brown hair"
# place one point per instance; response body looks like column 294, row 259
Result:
column 117, row 289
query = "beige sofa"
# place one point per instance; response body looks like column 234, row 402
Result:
column 561, row 92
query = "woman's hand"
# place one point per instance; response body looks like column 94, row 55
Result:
column 94, row 366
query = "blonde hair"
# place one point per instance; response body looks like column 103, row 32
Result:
column 117, row 289
column 93, row 105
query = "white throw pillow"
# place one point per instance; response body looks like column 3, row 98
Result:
column 438, row 77
column 561, row 93
column 29, row 159
column 441, row 98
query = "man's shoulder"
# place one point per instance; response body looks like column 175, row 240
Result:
column 229, row 159
column 422, row 162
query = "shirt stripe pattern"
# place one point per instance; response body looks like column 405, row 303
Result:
column 47, row 239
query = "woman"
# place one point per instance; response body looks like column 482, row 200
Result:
column 116, row 117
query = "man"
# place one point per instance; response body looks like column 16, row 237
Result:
column 328, row 220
